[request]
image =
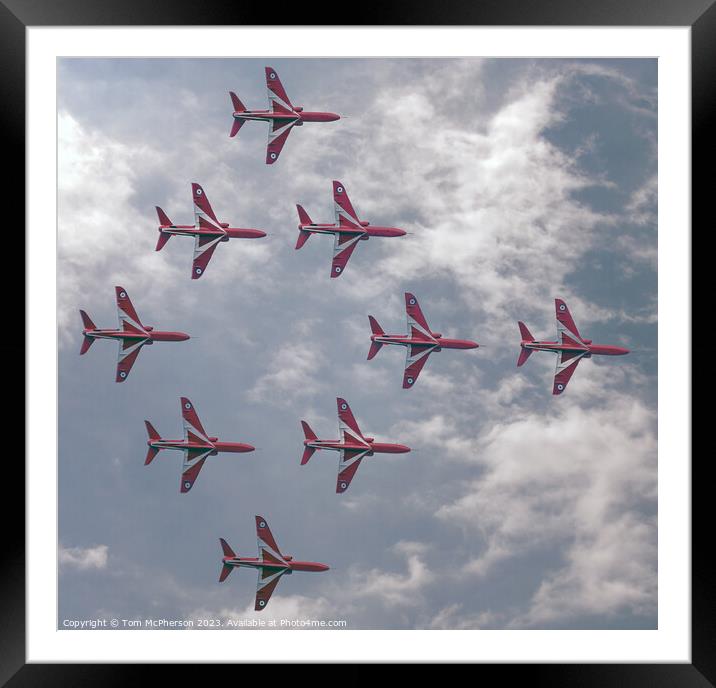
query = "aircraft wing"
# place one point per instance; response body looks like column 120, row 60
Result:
column 416, row 358
column 204, row 247
column 128, row 352
column 277, row 96
column 193, row 461
column 128, row 319
column 343, row 247
column 346, row 216
column 268, row 549
column 567, row 332
column 277, row 135
column 567, row 362
column 348, row 463
column 347, row 423
column 266, row 584
column 202, row 207
column 193, row 429
column 418, row 327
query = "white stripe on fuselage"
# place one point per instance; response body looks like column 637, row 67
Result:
column 192, row 231
column 266, row 117
column 553, row 347
column 118, row 334
column 318, row 229
column 254, row 564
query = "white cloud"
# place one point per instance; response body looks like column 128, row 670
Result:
column 491, row 205
column 581, row 479
column 609, row 570
column 83, row 559
column 293, row 372
column 391, row 588
column 104, row 239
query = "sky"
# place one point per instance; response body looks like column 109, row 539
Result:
column 519, row 181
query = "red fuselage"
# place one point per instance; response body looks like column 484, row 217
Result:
column 299, row 116
column 226, row 231
column 290, row 566
column 214, row 444
column 440, row 341
column 375, row 447
column 152, row 335
column 366, row 232
column 591, row 349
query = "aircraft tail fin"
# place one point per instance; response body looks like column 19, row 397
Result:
column 309, row 435
column 303, row 216
column 163, row 238
column 88, row 325
column 308, row 452
column 87, row 321
column 374, row 349
column 163, row 218
column 307, row 432
column 86, row 344
column 153, row 435
column 303, row 237
column 524, row 355
column 228, row 552
column 525, row 333
column 235, row 126
column 526, row 337
column 374, row 326
column 237, row 104
column 151, row 453
column 304, row 219
column 238, row 107
column 226, row 548
column 164, row 221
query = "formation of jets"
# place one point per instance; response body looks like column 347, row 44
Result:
column 270, row 563
column 420, row 341
column 196, row 445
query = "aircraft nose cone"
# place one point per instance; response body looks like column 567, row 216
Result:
column 183, row 337
column 332, row 117
column 260, row 233
column 399, row 232
column 623, row 351
column 403, row 449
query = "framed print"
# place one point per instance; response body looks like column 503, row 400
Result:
column 501, row 191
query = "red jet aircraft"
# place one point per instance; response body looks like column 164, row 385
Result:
column 570, row 347
column 270, row 563
column 196, row 445
column 131, row 335
column 347, row 230
column 352, row 447
column 282, row 116
column 206, row 230
column 420, row 341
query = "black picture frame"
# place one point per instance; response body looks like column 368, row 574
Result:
column 16, row 15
